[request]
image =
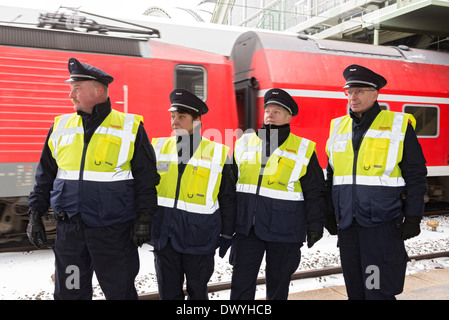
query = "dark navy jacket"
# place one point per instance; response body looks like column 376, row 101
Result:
column 110, row 203
column 277, row 220
column 194, row 233
column 413, row 167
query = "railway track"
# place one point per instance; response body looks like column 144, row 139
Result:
column 305, row 274
column 215, row 287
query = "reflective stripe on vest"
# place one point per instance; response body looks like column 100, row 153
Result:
column 286, row 165
column 109, row 151
column 379, row 154
column 201, row 178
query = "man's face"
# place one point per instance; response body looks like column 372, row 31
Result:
column 85, row 95
column 277, row 115
column 361, row 99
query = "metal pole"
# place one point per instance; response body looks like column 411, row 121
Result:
column 376, row 37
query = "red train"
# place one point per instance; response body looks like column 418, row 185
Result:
column 311, row 71
column 33, row 67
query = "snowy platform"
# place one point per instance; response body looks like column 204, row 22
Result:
column 28, row 275
column 425, row 285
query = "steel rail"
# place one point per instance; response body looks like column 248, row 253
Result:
column 220, row 286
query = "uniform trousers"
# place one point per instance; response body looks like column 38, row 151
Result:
column 171, row 266
column 373, row 260
column 282, row 260
column 80, row 250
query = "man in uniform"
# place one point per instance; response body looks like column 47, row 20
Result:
column 280, row 201
column 196, row 202
column 98, row 173
column 375, row 160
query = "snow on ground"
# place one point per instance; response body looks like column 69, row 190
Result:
column 28, row 275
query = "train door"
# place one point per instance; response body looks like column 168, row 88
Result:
column 246, row 97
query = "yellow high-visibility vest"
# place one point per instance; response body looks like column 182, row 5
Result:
column 285, row 166
column 108, row 154
column 379, row 155
column 200, row 181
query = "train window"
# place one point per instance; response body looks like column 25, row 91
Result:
column 427, row 119
column 384, row 106
column 192, row 78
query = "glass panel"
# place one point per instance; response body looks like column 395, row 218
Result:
column 384, row 106
column 426, row 119
column 192, row 78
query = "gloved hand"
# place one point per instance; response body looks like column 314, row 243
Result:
column 410, row 228
column 313, row 237
column 331, row 224
column 141, row 231
column 36, row 230
column 225, row 244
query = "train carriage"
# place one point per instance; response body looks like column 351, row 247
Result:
column 311, row 70
column 33, row 68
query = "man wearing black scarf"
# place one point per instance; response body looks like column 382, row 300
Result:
column 191, row 221
column 280, row 201
column 102, row 202
column 376, row 176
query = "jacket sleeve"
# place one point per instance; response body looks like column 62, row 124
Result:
column 228, row 200
column 144, row 170
column 39, row 199
column 414, row 172
column 312, row 184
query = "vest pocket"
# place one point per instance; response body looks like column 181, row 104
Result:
column 283, row 172
column 384, row 209
column 116, row 200
column 285, row 218
column 107, row 150
column 198, row 182
column 200, row 229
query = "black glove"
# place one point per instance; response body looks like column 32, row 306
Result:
column 141, row 231
column 331, row 224
column 410, row 228
column 313, row 237
column 225, row 244
column 36, row 230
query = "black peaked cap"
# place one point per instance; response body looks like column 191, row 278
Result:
column 184, row 100
column 82, row 72
column 359, row 76
column 281, row 98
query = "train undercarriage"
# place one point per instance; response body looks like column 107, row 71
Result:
column 14, row 221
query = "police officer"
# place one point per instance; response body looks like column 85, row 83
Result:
column 196, row 202
column 280, row 201
column 375, row 160
column 98, row 173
